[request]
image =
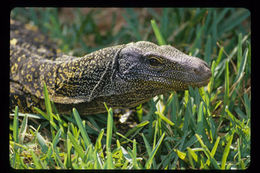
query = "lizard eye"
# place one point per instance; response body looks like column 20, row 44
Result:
column 154, row 61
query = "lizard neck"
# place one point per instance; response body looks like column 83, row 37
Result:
column 83, row 79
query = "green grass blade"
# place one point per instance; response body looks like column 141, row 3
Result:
column 97, row 164
column 157, row 33
column 241, row 65
column 42, row 142
column 49, row 158
column 164, row 118
column 139, row 111
column 234, row 120
column 222, row 14
column 109, row 129
column 147, row 145
column 247, row 105
column 211, row 82
column 138, row 126
column 69, row 146
column 155, row 134
column 76, row 146
column 180, row 154
column 47, row 100
column 132, row 20
column 193, row 154
column 125, row 166
column 98, row 144
column 121, row 135
column 214, row 149
column 190, row 157
column 109, row 161
column 150, row 159
column 239, row 51
column 197, row 42
column 220, row 53
column 208, row 50
column 23, row 128
column 226, row 95
column 36, row 161
column 214, row 29
column 42, row 113
column 16, row 125
column 49, row 110
column 15, row 137
column 200, row 126
column 200, row 14
column 234, row 20
column 135, row 165
column 207, row 152
column 56, row 139
column 81, row 128
column 226, row 152
column 54, row 144
column 241, row 162
column 126, row 154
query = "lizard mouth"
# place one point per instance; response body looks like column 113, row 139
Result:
column 178, row 84
column 194, row 81
column 201, row 83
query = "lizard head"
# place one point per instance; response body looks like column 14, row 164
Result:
column 161, row 67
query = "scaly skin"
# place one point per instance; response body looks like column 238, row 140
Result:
column 122, row 76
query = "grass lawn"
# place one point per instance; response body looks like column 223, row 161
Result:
column 200, row 128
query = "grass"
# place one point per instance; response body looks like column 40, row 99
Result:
column 200, row 128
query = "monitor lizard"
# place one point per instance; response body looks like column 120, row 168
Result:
column 122, row 76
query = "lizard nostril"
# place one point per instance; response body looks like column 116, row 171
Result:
column 202, row 70
column 206, row 70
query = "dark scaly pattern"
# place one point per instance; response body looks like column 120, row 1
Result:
column 122, row 76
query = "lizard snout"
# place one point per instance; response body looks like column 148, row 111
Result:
column 203, row 70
